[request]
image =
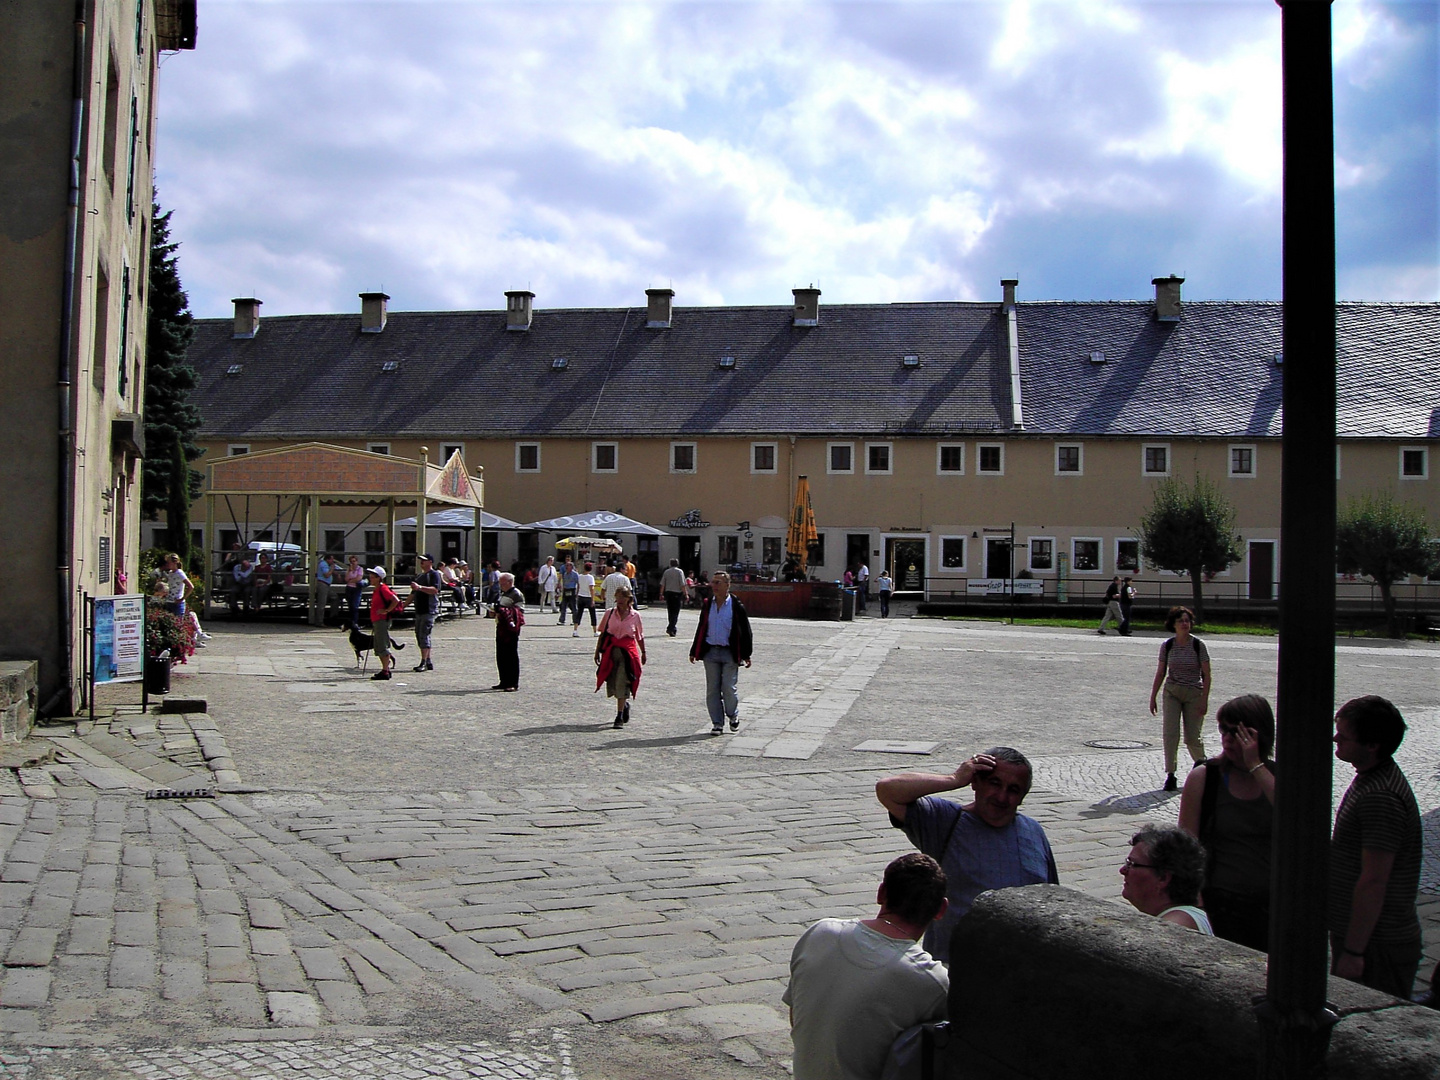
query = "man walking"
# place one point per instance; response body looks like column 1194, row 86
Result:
column 1375, row 854
column 425, row 595
column 984, row 844
column 569, row 582
column 547, row 579
column 862, row 587
column 1112, row 606
column 857, row 984
column 672, row 584
column 1127, row 600
column 724, row 642
column 384, row 606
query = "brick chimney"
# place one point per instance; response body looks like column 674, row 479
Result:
column 247, row 316
column 1167, row 298
column 517, row 309
column 1008, row 284
column 372, row 312
column 807, row 306
column 660, row 301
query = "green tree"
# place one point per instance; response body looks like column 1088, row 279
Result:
column 1386, row 541
column 171, row 421
column 1190, row 530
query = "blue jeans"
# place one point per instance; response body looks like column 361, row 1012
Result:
column 722, row 674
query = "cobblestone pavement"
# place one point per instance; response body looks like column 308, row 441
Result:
column 438, row 881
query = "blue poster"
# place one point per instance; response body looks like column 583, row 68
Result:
column 119, row 636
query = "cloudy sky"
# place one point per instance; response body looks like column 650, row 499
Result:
column 446, row 152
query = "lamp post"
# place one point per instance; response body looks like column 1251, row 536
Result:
column 1294, row 1020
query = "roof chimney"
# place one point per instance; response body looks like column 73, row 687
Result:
column 1007, row 302
column 1167, row 298
column 247, row 316
column 517, row 309
column 372, row 312
column 660, row 301
column 807, row 306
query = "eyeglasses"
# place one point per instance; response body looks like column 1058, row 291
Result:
column 1131, row 864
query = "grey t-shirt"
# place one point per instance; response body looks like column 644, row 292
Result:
column 852, row 991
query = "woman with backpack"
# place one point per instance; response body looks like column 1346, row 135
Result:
column 1184, row 673
column 1228, row 805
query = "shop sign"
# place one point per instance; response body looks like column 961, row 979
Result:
column 689, row 520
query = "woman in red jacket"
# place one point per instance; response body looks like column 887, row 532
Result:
column 620, row 653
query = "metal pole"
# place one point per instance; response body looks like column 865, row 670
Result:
column 1295, row 1023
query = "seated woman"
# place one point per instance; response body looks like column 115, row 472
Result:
column 1228, row 804
column 1163, row 875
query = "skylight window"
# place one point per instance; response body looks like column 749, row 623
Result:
column 1097, row 357
column 911, row 361
column 560, row 363
column 234, row 369
column 390, row 365
column 727, row 361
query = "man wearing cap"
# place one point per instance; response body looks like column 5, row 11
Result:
column 384, row 606
column 425, row 595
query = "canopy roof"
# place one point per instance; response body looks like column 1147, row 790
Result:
column 596, row 521
column 339, row 474
column 463, row 519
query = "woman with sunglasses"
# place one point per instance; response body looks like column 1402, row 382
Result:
column 1163, row 875
column 1228, row 804
column 1184, row 673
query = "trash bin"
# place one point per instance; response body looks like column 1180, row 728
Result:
column 157, row 673
column 847, row 605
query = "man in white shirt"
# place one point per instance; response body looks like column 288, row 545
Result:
column 862, row 586
column 613, row 583
column 547, row 578
column 857, row 984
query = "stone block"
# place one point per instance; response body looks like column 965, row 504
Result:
column 19, row 690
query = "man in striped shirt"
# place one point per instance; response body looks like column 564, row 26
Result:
column 1375, row 854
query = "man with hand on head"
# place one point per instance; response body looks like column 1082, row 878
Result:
column 858, row 984
column 983, row 844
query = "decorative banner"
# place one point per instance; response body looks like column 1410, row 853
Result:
column 453, row 482
column 119, row 635
column 689, row 520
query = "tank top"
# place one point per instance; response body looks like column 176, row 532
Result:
column 1239, row 841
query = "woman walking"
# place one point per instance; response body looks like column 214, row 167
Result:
column 509, row 616
column 1184, row 671
column 354, row 586
column 1228, row 804
column 620, row 653
column 585, row 597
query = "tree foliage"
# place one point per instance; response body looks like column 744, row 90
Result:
column 1386, row 541
column 1189, row 529
column 169, row 378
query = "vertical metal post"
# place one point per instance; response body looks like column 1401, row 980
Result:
column 210, row 567
column 1295, row 1023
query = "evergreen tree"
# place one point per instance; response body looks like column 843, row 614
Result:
column 1189, row 531
column 1386, row 541
column 171, row 422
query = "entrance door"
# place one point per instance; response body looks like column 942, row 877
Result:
column 997, row 557
column 449, row 545
column 690, row 554
column 857, row 550
column 1262, row 570
column 905, row 559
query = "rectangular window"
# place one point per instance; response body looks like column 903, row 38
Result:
column 1242, row 461
column 992, row 459
column 1414, row 463
column 1042, row 553
column 682, row 457
column 1085, row 556
column 1127, row 556
column 762, row 457
column 729, row 550
column 527, row 457
column 877, row 457
column 124, row 330
column 378, row 447
column 950, row 458
column 374, row 541
column 604, row 457
column 449, row 450
column 772, row 551
column 842, row 458
column 952, row 552
column 1156, row 460
column 334, row 540
column 1069, row 460
column 235, row 449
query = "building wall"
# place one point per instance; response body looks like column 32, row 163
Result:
column 105, row 350
column 1104, row 501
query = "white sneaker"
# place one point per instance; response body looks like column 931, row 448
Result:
column 575, row 632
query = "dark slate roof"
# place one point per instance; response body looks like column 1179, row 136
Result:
column 1214, row 373
column 462, row 374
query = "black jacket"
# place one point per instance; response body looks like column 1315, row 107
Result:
column 741, row 643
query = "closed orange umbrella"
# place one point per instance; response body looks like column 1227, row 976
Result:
column 802, row 524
